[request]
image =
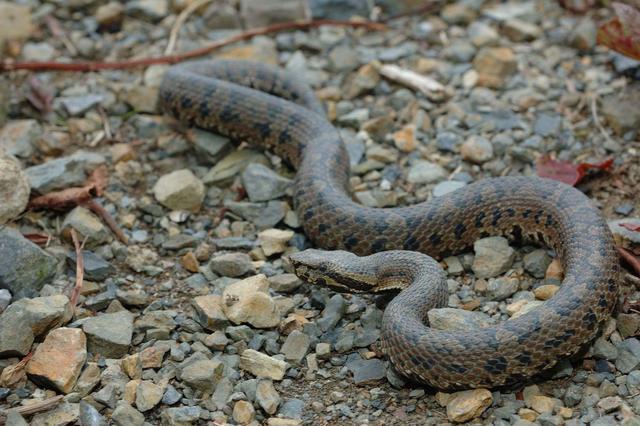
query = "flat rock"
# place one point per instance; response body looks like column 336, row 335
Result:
column 63, row 172
column 248, row 301
column 88, row 225
column 65, row 413
column 14, row 188
column 425, row 172
column 209, row 312
column 57, row 362
column 468, row 405
column 296, row 346
column 24, row 267
column 263, row 184
column 262, row 365
column 109, row 334
column 231, row 264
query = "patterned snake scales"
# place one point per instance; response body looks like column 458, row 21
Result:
column 265, row 105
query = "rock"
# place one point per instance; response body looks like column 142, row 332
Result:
column 216, row 341
column 282, row 283
column 16, row 337
column 243, row 412
column 628, row 324
column 623, row 234
column 481, row 34
column 494, row 65
column 14, row 188
column 274, row 241
column 231, row 264
column 457, row 319
column 95, row 267
column 542, row 404
column 5, row 299
column 545, row 292
column 180, row 190
column 209, row 312
column 89, row 416
column 87, row 225
column 41, row 314
column 126, row 415
column 332, row 313
column 24, row 267
column 264, row 13
column 457, row 14
column 141, row 98
column 79, row 105
column 233, row 164
column 42, row 51
column 57, row 362
column 446, row 187
column 291, row 409
column 547, row 125
column 628, row 355
column 493, row 257
column 405, row 138
column 181, row 416
column 620, row 110
column 263, row 184
column 15, row 23
column 263, row 215
column 210, row 145
column 477, row 150
column 171, row 396
column 18, row 137
column 89, row 379
column 295, row 346
column 339, row 9
column 109, row 334
column 468, row 405
column 148, row 395
column 248, row 301
column 203, row 374
column 109, row 16
column 63, row 414
column 14, row 418
column 63, row 172
column 502, row 288
column 267, row 396
column 261, row 365
column 537, row 262
column 610, row 404
column 367, row 371
column 153, row 10
column 583, row 36
column 519, row 31
column 425, row 172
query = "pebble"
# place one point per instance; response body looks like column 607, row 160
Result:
column 477, row 150
column 457, row 319
column 109, row 334
column 148, row 395
column 87, row 225
column 467, row 405
column 545, row 292
column 494, row 65
column 63, row 172
column 493, row 257
column 24, row 267
column 284, row 283
column 15, row 22
column 262, row 366
column 267, row 396
column 520, row 31
column 536, row 263
column 58, row 360
column 180, row 190
column 125, row 415
column 263, row 184
column 14, row 188
column 89, row 416
column 203, row 374
column 425, row 172
column 274, row 241
column 231, row 264
column 209, row 313
column 583, row 36
column 248, row 301
column 18, row 137
column 296, row 346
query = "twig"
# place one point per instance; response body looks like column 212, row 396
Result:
column 596, row 119
column 79, row 268
column 86, row 66
column 36, row 407
column 175, row 30
column 95, row 207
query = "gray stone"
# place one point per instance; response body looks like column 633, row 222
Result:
column 171, row 396
column 628, row 355
column 231, row 264
column 493, row 257
column 291, row 409
column 603, row 349
column 502, row 288
column 621, row 110
column 95, row 267
column 78, row 105
column 519, row 30
column 367, row 371
column 263, row 184
column 14, row 418
column 232, row 164
column 153, row 10
column 109, row 334
column 126, row 415
column 89, row 416
column 625, row 233
column 18, row 137
column 458, row 319
column 209, row 146
column 5, row 299
column 332, row 313
column 354, row 118
column 108, row 395
column 537, row 262
column 24, row 267
column 180, row 416
column 63, row 172
column 482, row 34
column 202, row 374
column 425, row 172
column 87, row 225
column 267, row 12
column 14, row 188
column 583, row 36
column 263, row 215
column 180, row 190
column 284, row 283
column 295, row 346
column 547, row 125
column 339, row 9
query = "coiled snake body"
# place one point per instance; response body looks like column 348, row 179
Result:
column 245, row 101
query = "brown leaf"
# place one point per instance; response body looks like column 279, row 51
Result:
column 39, row 239
column 71, row 197
column 622, row 33
column 630, row 258
column 565, row 171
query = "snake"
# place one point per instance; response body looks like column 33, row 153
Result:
column 364, row 249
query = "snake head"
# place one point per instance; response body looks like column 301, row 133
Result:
column 339, row 270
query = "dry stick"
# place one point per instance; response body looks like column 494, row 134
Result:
column 596, row 119
column 95, row 207
column 10, row 65
column 79, row 269
column 36, row 407
column 182, row 18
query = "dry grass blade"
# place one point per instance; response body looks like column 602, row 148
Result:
column 182, row 18
column 79, row 269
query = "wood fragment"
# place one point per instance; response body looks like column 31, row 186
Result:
column 425, row 85
column 36, row 407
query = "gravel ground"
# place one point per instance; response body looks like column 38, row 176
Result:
column 198, row 319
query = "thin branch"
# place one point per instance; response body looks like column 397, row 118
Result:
column 87, row 66
column 95, row 207
column 79, row 269
column 36, row 407
column 182, row 18
column 596, row 119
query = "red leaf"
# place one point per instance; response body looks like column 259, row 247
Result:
column 631, row 227
column 565, row 171
column 622, row 33
column 39, row 239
